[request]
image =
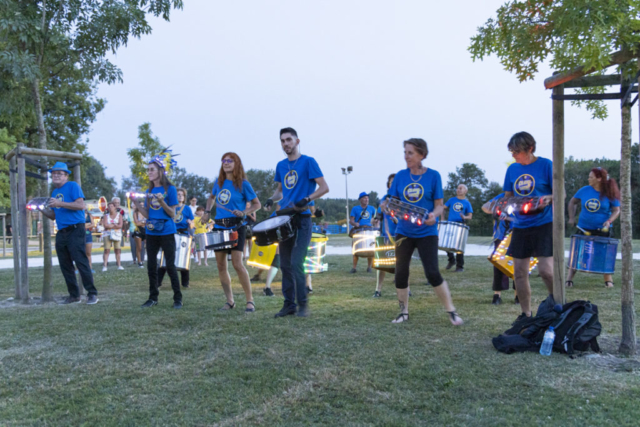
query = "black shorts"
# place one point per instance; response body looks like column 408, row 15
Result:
column 242, row 237
column 532, row 242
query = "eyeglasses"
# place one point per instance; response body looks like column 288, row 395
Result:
column 60, row 173
column 227, row 161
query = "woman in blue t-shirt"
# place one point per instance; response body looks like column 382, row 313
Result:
column 600, row 206
column 422, row 187
column 184, row 222
column 230, row 194
column 159, row 208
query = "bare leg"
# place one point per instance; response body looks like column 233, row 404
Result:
column 608, row 278
column 355, row 262
column 205, row 258
column 444, row 296
column 105, row 257
column 225, row 279
column 139, row 250
column 243, row 276
column 379, row 279
column 523, row 289
column 369, row 263
column 118, row 252
column 87, row 249
column 545, row 268
column 403, row 302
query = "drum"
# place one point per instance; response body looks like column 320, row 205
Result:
column 364, row 242
column 314, row 262
column 503, row 262
column 385, row 255
column 262, row 256
column 273, row 230
column 218, row 239
column 593, row 254
column 183, row 253
column 452, row 236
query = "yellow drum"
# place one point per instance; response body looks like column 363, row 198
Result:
column 314, row 262
column 262, row 256
column 503, row 262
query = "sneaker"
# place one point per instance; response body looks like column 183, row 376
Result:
column 303, row 311
column 497, row 300
column 255, row 278
column 92, row 299
column 185, row 285
column 286, row 311
column 369, row 270
column 141, row 265
column 516, row 300
column 353, row 270
column 177, row 304
column 93, row 271
column 149, row 303
column 70, row 300
column 267, row 292
column 309, row 290
column 104, row 269
column 449, row 265
column 459, row 269
column 377, row 294
column 121, row 268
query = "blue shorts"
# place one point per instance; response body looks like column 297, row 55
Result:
column 88, row 238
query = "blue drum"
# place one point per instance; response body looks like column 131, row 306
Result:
column 593, row 254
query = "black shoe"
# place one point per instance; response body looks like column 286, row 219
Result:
column 303, row 311
column 92, row 299
column 353, row 271
column 497, row 300
column 70, row 300
column 185, row 285
column 267, row 292
column 286, row 311
column 459, row 270
column 410, row 294
column 309, row 290
column 377, row 294
column 149, row 303
column 516, row 300
column 254, row 279
column 449, row 265
column 369, row 270
column 177, row 304
column 250, row 309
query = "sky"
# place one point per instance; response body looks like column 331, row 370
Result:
column 354, row 78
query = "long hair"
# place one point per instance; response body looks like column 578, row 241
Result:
column 608, row 186
column 164, row 181
column 237, row 175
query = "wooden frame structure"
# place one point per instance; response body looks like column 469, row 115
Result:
column 19, row 158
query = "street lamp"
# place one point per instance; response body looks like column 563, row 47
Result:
column 346, row 171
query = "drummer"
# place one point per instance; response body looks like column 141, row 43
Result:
column 297, row 177
column 420, row 186
column 159, row 208
column 532, row 235
column 460, row 210
column 362, row 215
column 600, row 206
column 387, row 231
column 184, row 222
column 230, row 194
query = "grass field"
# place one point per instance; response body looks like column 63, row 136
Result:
column 116, row 364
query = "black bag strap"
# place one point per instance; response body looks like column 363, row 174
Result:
column 587, row 319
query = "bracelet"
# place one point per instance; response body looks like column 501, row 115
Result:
column 207, row 212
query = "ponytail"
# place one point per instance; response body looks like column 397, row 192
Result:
column 608, row 186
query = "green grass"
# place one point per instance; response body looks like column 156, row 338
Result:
column 116, row 364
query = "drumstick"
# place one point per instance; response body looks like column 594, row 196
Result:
column 225, row 209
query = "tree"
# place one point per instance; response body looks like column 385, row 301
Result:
column 148, row 146
column 474, row 178
column 196, row 185
column 95, row 183
column 6, row 143
column 263, row 184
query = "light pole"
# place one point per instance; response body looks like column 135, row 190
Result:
column 346, row 171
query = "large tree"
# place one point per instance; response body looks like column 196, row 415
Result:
column 148, row 146
column 474, row 178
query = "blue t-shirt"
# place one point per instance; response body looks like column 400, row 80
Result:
column 420, row 192
column 69, row 192
column 156, row 212
column 386, row 222
column 500, row 228
column 457, row 208
column 363, row 216
column 231, row 198
column 595, row 210
column 297, row 179
column 182, row 215
column 531, row 180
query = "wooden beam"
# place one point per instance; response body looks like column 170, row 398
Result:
column 47, row 153
column 593, row 81
column 587, row 97
column 15, row 226
column 24, row 236
column 617, row 58
column 558, row 196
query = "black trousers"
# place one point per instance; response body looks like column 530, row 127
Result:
column 428, row 251
column 70, row 248
column 500, row 280
column 184, row 276
column 168, row 245
column 457, row 258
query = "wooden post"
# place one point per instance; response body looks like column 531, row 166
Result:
column 78, row 179
column 45, row 238
column 4, row 235
column 24, row 238
column 558, row 197
column 15, row 226
column 628, row 343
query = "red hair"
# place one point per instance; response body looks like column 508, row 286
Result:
column 237, row 175
column 608, row 186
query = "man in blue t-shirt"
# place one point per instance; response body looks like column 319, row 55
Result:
column 296, row 178
column 460, row 210
column 66, row 207
column 362, row 215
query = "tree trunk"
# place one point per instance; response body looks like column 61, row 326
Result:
column 558, row 197
column 47, row 285
column 628, row 343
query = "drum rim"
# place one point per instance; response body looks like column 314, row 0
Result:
column 284, row 219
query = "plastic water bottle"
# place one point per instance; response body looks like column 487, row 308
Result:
column 547, row 342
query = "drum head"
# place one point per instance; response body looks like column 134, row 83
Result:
column 270, row 223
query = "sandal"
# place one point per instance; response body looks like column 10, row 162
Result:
column 569, row 283
column 401, row 318
column 250, row 309
column 455, row 319
column 608, row 286
column 227, row 306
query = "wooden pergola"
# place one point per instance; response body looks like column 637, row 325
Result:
column 19, row 158
column 578, row 78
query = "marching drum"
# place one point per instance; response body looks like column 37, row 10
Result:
column 262, row 256
column 314, row 262
column 217, row 239
column 452, row 236
column 183, row 253
column 385, row 256
column 503, row 262
column 364, row 242
column 273, row 230
column 593, row 254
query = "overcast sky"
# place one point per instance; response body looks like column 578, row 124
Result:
column 354, row 78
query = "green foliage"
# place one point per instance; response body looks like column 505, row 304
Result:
column 196, row 185
column 264, row 186
column 148, row 146
column 474, row 178
column 95, row 183
column 7, row 142
column 566, row 33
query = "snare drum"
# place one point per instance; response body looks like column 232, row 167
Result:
column 273, row 230
column 364, row 242
column 452, row 236
column 314, row 262
column 504, row 262
column 183, row 253
column 385, row 255
column 219, row 239
column 593, row 254
column 262, row 256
